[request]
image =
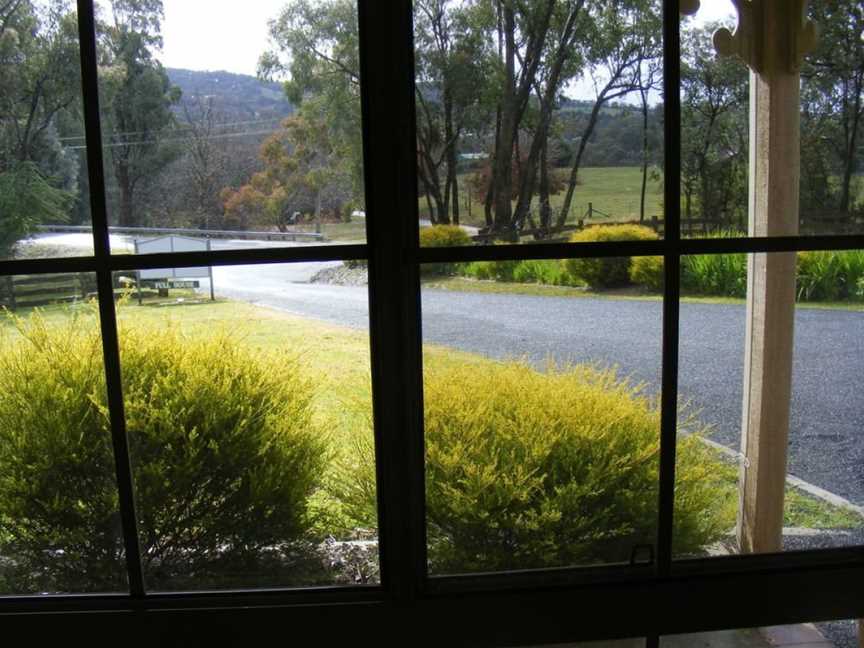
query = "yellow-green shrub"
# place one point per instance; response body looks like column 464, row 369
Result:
column 537, row 469
column 442, row 236
column 611, row 271
column 647, row 271
column 224, row 453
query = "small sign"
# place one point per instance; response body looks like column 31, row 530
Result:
column 177, row 284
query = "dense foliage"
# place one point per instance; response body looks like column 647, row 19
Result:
column 606, row 272
column 225, row 455
column 442, row 236
column 538, row 469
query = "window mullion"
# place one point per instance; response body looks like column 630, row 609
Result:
column 386, row 57
column 672, row 279
column 107, row 314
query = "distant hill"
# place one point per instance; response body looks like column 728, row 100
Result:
column 234, row 96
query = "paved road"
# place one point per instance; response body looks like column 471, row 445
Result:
column 827, row 440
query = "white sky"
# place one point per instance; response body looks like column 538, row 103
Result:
column 227, row 35
column 217, row 34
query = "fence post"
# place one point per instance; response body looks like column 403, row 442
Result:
column 10, row 283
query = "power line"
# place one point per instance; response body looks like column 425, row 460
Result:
column 162, row 141
column 177, row 130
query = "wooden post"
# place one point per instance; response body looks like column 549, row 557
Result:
column 772, row 37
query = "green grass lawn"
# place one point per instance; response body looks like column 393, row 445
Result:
column 613, row 190
column 339, row 359
column 353, row 232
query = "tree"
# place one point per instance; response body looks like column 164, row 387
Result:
column 450, row 60
column 303, row 164
column 623, row 43
column 137, row 100
column 713, row 130
column 317, row 49
column 40, row 78
column 834, row 86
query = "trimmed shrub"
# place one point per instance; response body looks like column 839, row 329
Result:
column 723, row 275
column 532, row 469
column 442, row 236
column 647, row 271
column 225, row 455
column 606, row 272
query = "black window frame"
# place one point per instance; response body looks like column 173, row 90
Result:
column 554, row 605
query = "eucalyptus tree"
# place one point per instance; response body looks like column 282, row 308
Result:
column 40, row 78
column 714, row 93
column 833, row 88
column 136, row 102
column 316, row 53
column 622, row 42
column 451, row 60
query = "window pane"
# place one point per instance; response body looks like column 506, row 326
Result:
column 512, row 151
column 830, row 634
column 249, row 420
column 44, row 192
column 60, row 526
column 824, row 503
column 541, row 416
column 716, row 129
column 253, row 145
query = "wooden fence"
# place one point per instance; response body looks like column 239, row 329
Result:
column 27, row 291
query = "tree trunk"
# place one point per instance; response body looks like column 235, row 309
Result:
column 502, row 169
column 574, row 171
column 318, row 210
column 451, row 137
column 545, row 208
column 644, row 96
column 455, row 182
column 125, row 216
column 547, row 101
column 849, row 163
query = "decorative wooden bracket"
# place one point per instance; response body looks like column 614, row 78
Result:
column 772, row 37
column 688, row 7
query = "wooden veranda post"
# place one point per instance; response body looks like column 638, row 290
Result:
column 772, row 37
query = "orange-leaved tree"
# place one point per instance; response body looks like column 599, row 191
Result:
column 303, row 172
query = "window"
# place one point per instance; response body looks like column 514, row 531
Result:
column 641, row 579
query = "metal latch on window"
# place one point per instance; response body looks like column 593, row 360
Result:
column 642, row 554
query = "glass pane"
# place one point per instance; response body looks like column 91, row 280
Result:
column 832, row 191
column 824, row 501
column 716, row 129
column 254, row 145
column 44, row 192
column 249, row 419
column 541, row 417
column 830, row 634
column 515, row 152
column 60, row 526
